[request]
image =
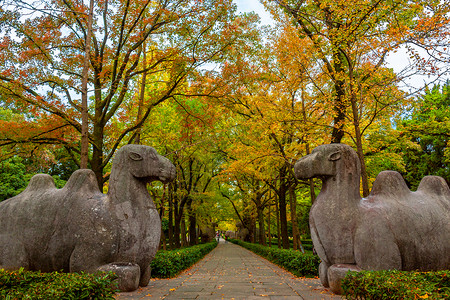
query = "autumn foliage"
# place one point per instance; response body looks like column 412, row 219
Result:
column 231, row 103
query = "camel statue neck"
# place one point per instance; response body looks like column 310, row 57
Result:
column 124, row 187
column 343, row 185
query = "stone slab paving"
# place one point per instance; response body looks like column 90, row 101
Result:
column 232, row 272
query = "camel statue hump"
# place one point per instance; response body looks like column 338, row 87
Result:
column 83, row 179
column 434, row 185
column 40, row 183
column 389, row 183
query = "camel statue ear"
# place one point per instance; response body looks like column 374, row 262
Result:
column 135, row 156
column 334, row 156
column 153, row 155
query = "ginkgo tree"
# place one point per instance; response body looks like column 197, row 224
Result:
column 283, row 115
column 184, row 129
column 43, row 47
column 350, row 45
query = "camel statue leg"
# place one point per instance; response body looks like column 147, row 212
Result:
column 336, row 273
column 128, row 275
column 323, row 274
column 146, row 274
column 91, row 258
column 375, row 245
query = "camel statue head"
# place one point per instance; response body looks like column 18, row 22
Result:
column 327, row 161
column 144, row 163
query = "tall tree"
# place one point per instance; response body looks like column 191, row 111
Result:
column 428, row 126
column 184, row 129
column 351, row 46
column 44, row 48
column 84, row 151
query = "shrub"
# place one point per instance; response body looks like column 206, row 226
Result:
column 21, row 284
column 395, row 284
column 297, row 263
column 169, row 263
column 307, row 244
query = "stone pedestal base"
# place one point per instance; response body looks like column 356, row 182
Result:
column 336, row 273
column 128, row 275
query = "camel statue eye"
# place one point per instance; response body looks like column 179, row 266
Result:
column 334, row 156
column 135, row 156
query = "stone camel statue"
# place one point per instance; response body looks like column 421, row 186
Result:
column 393, row 228
column 78, row 228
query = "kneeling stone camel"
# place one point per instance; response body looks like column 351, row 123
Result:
column 78, row 228
column 393, row 228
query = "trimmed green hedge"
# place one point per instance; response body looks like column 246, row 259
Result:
column 307, row 244
column 169, row 263
column 295, row 262
column 21, row 284
column 397, row 285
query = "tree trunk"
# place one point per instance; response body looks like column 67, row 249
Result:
column 192, row 224
column 268, row 227
column 178, row 216
column 84, row 155
column 339, row 105
column 359, row 148
column 252, row 227
column 193, row 237
column 177, row 232
column 262, row 232
column 277, row 211
column 137, row 139
column 283, row 214
column 163, row 240
column 171, row 237
column 295, row 231
column 184, row 242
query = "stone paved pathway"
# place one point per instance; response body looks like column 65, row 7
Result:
column 232, row 272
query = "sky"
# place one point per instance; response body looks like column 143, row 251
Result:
column 396, row 61
column 256, row 6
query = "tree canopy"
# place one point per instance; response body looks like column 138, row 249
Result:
column 231, row 103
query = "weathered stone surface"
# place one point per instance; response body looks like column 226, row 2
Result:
column 393, row 228
column 336, row 273
column 323, row 274
column 128, row 275
column 78, row 228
